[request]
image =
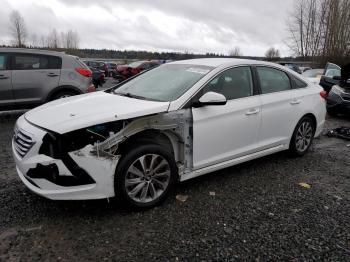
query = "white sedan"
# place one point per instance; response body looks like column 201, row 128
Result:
column 173, row 123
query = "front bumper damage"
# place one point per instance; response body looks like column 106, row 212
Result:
column 62, row 179
column 52, row 169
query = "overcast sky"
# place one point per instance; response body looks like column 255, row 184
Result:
column 197, row 26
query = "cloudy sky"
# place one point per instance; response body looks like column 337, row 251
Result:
column 198, row 26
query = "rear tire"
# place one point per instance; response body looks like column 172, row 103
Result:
column 145, row 176
column 303, row 136
column 63, row 94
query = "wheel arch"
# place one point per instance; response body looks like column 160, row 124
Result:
column 59, row 89
column 170, row 140
column 313, row 117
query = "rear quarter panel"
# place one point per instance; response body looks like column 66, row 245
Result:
column 312, row 103
column 69, row 77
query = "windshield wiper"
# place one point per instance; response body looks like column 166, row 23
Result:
column 132, row 96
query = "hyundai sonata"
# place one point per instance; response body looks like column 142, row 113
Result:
column 173, row 123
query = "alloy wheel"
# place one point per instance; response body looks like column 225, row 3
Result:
column 304, row 136
column 147, row 178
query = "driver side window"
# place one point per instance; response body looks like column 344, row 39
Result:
column 234, row 83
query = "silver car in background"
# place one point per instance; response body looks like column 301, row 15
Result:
column 30, row 77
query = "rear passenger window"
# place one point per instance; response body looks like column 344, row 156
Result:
column 2, row 62
column 34, row 62
column 233, row 83
column 273, row 80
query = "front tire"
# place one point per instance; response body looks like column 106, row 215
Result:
column 303, row 136
column 145, row 176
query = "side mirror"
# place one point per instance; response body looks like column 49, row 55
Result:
column 212, row 99
column 338, row 78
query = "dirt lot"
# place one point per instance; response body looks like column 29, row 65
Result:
column 259, row 212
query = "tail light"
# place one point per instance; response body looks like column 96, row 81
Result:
column 84, row 71
column 324, row 94
column 91, row 88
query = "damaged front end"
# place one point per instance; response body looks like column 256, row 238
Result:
column 81, row 164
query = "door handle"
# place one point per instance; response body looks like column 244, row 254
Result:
column 4, row 77
column 295, row 102
column 252, row 112
column 52, row 74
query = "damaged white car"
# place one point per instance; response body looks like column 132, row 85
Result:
column 176, row 122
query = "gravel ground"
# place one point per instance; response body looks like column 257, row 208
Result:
column 258, row 212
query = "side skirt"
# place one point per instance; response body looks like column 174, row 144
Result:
column 232, row 162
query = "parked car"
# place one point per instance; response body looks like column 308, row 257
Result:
column 304, row 68
column 338, row 100
column 98, row 75
column 112, row 68
column 97, row 65
column 313, row 75
column 32, row 77
column 126, row 71
column 327, row 79
column 173, row 123
column 293, row 67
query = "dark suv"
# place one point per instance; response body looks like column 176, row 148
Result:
column 30, row 77
column 338, row 100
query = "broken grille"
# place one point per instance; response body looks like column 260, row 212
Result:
column 23, row 142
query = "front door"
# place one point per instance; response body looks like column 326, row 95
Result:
column 225, row 132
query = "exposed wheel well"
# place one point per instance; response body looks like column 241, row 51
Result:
column 146, row 137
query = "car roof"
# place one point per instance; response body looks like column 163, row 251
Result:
column 219, row 62
column 31, row 51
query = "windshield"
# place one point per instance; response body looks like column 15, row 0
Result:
column 333, row 72
column 164, row 83
column 313, row 73
column 135, row 64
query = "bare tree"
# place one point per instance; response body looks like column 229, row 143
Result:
column 33, row 40
column 70, row 39
column 53, row 39
column 272, row 53
column 18, row 28
column 320, row 29
column 236, row 52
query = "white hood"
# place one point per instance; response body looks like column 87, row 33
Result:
column 81, row 111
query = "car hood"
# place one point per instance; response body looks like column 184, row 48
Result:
column 72, row 113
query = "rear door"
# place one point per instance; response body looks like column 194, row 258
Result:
column 6, row 94
column 34, row 76
column 279, row 107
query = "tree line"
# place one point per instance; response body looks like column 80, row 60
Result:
column 320, row 30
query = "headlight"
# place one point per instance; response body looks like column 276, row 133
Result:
column 337, row 90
